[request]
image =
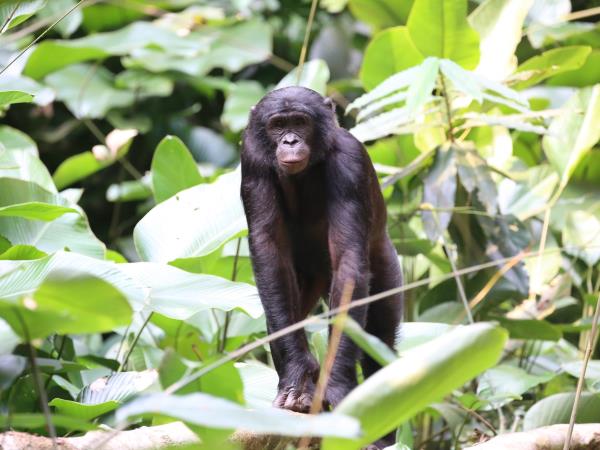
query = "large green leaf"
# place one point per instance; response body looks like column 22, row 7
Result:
column 15, row 140
column 230, row 48
column 88, row 91
column 551, row 63
column 23, row 163
column 389, row 52
column 499, row 24
column 52, row 55
column 421, row 376
column 557, row 409
column 581, row 236
column 242, row 96
column 67, row 303
column 315, row 75
column 179, row 294
column 36, row 211
column 173, row 169
column 10, row 97
column 70, row 231
column 574, row 132
column 15, row 12
column 199, row 219
column 441, row 29
column 503, row 383
column 19, row 278
column 438, row 192
column 42, row 95
column 205, row 410
column 381, row 13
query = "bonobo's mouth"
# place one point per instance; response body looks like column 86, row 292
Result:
column 293, row 166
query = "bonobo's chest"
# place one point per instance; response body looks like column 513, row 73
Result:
column 304, row 201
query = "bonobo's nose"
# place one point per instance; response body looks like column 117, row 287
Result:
column 290, row 139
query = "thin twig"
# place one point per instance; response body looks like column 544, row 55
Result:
column 459, row 283
column 35, row 371
column 37, row 39
column 223, row 340
column 334, row 343
column 134, row 343
column 586, row 359
column 582, row 14
column 311, row 17
column 9, row 18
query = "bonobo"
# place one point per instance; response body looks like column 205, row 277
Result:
column 317, row 221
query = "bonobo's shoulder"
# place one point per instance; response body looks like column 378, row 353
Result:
column 346, row 143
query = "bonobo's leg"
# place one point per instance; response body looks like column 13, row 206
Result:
column 351, row 271
column 348, row 216
column 383, row 316
column 278, row 288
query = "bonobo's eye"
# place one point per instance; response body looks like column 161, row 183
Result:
column 299, row 121
column 276, row 123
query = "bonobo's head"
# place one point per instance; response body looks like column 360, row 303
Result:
column 293, row 125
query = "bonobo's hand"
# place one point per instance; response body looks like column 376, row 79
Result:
column 297, row 385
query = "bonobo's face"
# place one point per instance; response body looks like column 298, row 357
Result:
column 292, row 133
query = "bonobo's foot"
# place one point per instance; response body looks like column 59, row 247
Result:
column 296, row 388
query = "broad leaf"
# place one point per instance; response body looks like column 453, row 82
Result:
column 315, row 75
column 88, row 91
column 205, row 410
column 438, row 192
column 242, row 96
column 36, row 211
column 10, row 97
column 552, row 63
column 581, row 236
column 502, row 384
column 173, row 169
column 421, row 376
column 557, row 409
column 70, row 231
column 381, row 14
column 57, row 307
column 199, row 219
column 499, row 24
column 389, row 52
column 441, row 29
column 572, row 134
column 179, row 294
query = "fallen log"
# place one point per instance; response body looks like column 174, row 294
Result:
column 144, row 438
column 585, row 436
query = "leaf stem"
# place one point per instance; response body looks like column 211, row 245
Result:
column 311, row 17
column 586, row 359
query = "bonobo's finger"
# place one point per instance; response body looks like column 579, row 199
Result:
column 291, row 402
column 305, row 402
column 280, row 400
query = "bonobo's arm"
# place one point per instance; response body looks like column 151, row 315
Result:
column 349, row 215
column 278, row 288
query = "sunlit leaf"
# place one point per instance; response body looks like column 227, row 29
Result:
column 439, row 191
column 200, row 219
column 499, row 24
column 173, row 169
column 421, row 376
column 441, row 29
column 572, row 134
column 205, row 410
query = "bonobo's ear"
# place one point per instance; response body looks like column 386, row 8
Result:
column 330, row 104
